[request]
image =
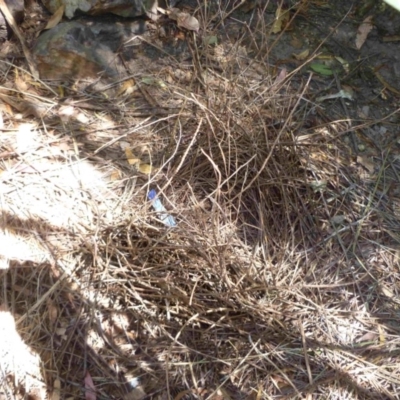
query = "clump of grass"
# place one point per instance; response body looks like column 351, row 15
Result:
column 279, row 281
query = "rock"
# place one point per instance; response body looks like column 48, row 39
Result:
column 84, row 49
column 16, row 8
column 123, row 8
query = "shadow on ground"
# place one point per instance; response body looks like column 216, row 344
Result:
column 281, row 278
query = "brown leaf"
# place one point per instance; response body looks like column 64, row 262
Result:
column 188, row 22
column 55, row 18
column 184, row 20
column 90, row 390
column 363, row 30
column 281, row 76
column 128, row 87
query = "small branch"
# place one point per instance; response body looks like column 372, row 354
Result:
column 11, row 21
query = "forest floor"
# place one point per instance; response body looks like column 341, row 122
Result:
column 273, row 270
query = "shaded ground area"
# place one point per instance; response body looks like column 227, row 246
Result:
column 281, row 278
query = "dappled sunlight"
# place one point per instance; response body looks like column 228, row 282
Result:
column 17, row 359
column 207, row 232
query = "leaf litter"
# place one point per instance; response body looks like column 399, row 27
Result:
column 283, row 257
column 363, row 30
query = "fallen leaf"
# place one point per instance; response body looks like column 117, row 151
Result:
column 184, row 19
column 281, row 19
column 303, row 55
column 132, row 159
column 128, row 87
column 321, row 69
column 188, row 22
column 146, row 168
column 281, row 76
column 56, row 17
column 90, row 390
column 362, row 32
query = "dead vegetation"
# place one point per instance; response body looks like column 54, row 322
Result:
column 280, row 280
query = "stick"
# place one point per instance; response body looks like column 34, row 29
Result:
column 11, row 21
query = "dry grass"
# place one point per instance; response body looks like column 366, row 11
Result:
column 281, row 279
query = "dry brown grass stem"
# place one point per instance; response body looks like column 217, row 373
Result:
column 280, row 280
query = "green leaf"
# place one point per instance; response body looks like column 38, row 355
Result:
column 321, row 69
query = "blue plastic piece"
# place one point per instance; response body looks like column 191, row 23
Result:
column 165, row 218
column 152, row 194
